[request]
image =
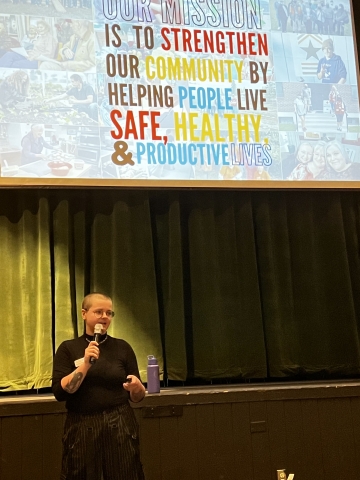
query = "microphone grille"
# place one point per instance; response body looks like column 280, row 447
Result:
column 98, row 328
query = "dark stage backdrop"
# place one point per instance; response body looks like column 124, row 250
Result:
column 217, row 284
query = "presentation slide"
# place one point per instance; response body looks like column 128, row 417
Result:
column 218, row 93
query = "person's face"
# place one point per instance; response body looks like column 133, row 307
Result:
column 75, row 26
column 99, row 312
column 319, row 157
column 305, row 154
column 328, row 52
column 41, row 29
column 32, row 32
column 76, row 84
column 37, row 132
column 335, row 158
column 78, row 27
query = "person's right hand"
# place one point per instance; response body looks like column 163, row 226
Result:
column 68, row 54
column 322, row 71
column 91, row 351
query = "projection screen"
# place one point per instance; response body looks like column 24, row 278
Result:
column 179, row 93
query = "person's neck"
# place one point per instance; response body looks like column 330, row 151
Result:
column 90, row 335
column 81, row 34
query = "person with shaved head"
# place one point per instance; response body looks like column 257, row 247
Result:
column 97, row 379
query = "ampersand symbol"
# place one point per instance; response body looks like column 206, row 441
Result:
column 120, row 151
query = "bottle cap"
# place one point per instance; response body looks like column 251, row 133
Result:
column 152, row 360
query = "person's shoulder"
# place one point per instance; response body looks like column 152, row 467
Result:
column 355, row 169
column 336, row 58
column 71, row 343
column 88, row 35
column 26, row 137
column 88, row 86
column 120, row 343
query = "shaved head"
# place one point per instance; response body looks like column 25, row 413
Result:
column 88, row 300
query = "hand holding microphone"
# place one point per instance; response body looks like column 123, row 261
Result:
column 93, row 349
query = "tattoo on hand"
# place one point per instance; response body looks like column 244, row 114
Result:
column 74, row 383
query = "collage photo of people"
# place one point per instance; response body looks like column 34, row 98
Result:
column 316, row 89
column 49, row 123
column 55, row 109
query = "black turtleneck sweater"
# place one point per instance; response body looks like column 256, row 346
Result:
column 102, row 386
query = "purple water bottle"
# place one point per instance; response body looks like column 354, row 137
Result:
column 153, row 377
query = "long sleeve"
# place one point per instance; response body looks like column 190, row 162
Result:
column 61, row 368
column 45, row 144
column 342, row 73
column 131, row 364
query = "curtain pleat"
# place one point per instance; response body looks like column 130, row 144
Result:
column 225, row 296
column 65, row 325
column 171, row 284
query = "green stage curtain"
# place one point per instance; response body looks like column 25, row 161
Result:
column 25, row 291
column 216, row 284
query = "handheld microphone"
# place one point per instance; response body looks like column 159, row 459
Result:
column 97, row 333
